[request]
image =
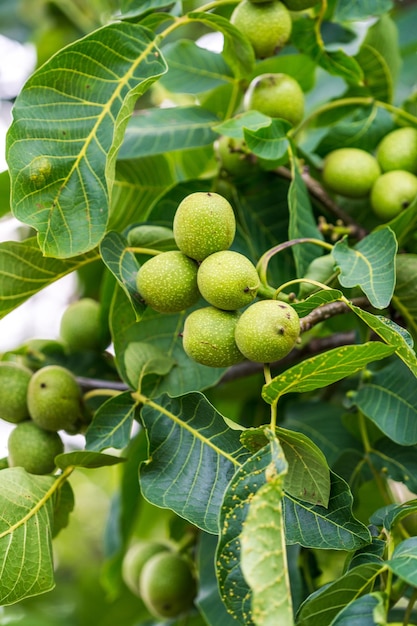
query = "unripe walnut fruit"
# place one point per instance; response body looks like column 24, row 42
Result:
column 393, row 192
column 14, row 382
column 267, row 331
column 33, row 448
column 168, row 282
column 228, row 280
column 277, row 95
column 267, row 25
column 209, row 337
column 134, row 560
column 54, row 399
column 204, row 222
column 80, row 327
column 398, row 150
column 350, row 172
column 167, row 585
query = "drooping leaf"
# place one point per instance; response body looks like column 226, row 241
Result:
column 24, row 271
column 112, row 423
column 404, row 561
column 326, row 296
column 269, row 142
column 369, row 265
column 324, row 606
column 192, row 457
column 263, row 556
column 302, row 222
column 123, row 265
column 157, row 131
column 331, row 528
column 248, row 120
column 142, row 358
column 86, row 458
column 26, row 519
column 389, row 399
column 359, row 10
column 66, row 196
column 324, row 369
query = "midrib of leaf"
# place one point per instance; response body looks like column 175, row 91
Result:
column 105, row 110
column 48, row 494
column 195, row 433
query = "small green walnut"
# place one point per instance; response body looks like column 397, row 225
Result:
column 228, row 280
column 14, row 382
column 134, row 560
column 276, row 95
column 168, row 585
column 168, row 282
column 204, row 222
column 267, row 25
column 267, row 331
column 233, row 156
column 33, row 448
column 398, row 150
column 81, row 325
column 393, row 192
column 350, row 172
column 54, row 399
column 209, row 337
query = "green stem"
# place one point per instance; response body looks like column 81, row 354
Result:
column 150, row 251
column 295, row 281
column 94, row 393
column 411, row 603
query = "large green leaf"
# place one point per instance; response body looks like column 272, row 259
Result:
column 404, row 561
column 112, row 423
column 331, row 528
column 360, row 9
column 325, row 369
column 367, row 610
column 192, row 457
column 323, row 607
column 24, row 271
column 269, row 142
column 264, row 558
column 157, row 131
column 377, row 74
column 68, row 126
column 389, row 399
column 26, row 518
column 397, row 462
column 370, row 265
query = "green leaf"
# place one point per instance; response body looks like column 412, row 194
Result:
column 323, row 607
column 263, row 556
column 389, row 399
column 368, row 610
column 397, row 462
column 135, row 8
column 360, row 9
column 192, row 457
column 193, row 69
column 404, row 561
column 112, row 423
column 369, row 265
column 141, row 359
column 87, row 459
column 392, row 514
column 331, row 528
column 249, row 120
column 26, row 505
column 4, row 193
column 302, row 222
column 24, row 271
column 269, row 142
column 123, row 265
column 308, row 475
column 390, row 332
column 326, row 296
column 157, row 131
column 338, row 63
column 405, row 295
column 324, row 369
column 248, row 479
column 237, row 51
column 66, row 196
column 377, row 74
column 64, row 503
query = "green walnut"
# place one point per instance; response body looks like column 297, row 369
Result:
column 228, row 280
column 233, row 156
column 350, row 172
column 167, row 585
column 167, row 282
column 33, row 448
column 134, row 560
column 14, row 382
column 266, row 25
column 54, row 399
column 204, row 222
column 276, row 95
column 267, row 331
column 81, row 326
column 209, row 337
column 398, row 150
column 393, row 192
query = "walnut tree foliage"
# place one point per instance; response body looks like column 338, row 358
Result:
column 262, row 471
